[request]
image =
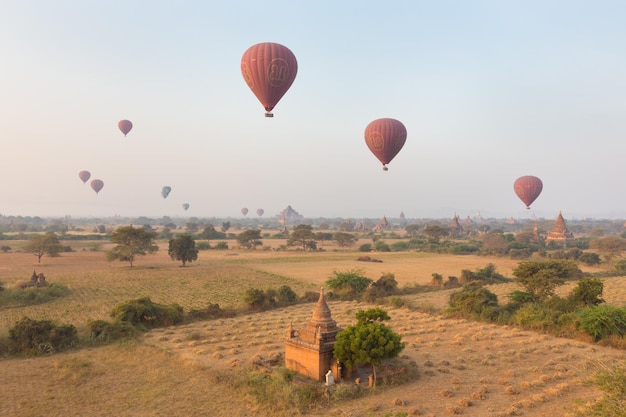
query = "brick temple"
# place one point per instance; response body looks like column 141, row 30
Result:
column 309, row 351
column 559, row 232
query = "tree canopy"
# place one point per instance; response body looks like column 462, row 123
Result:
column 44, row 244
column 540, row 278
column 249, row 239
column 303, row 236
column 131, row 241
column 183, row 248
column 368, row 342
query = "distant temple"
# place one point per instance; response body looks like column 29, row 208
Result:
column 309, row 351
column 559, row 232
column 382, row 225
column 455, row 227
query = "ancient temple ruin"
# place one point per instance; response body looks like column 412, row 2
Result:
column 559, row 232
column 309, row 351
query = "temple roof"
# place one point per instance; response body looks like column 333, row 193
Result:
column 560, row 229
column 322, row 318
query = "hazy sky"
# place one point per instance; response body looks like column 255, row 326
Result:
column 489, row 90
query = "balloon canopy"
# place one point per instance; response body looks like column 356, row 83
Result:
column 385, row 137
column 84, row 176
column 97, row 185
column 165, row 191
column 244, row 211
column 269, row 69
column 185, row 206
column 125, row 126
column 260, row 212
column 528, row 189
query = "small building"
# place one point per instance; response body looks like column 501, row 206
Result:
column 309, row 351
column 559, row 232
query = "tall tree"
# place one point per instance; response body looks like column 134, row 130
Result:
column 368, row 342
column 304, row 236
column 131, row 242
column 249, row 239
column 44, row 244
column 183, row 248
column 344, row 239
column 540, row 278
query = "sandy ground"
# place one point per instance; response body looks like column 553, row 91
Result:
column 467, row 368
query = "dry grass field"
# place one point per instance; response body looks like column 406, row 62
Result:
column 465, row 368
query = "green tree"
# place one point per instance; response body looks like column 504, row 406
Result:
column 249, row 239
column 303, row 236
column 540, row 278
column 348, row 284
column 131, row 241
column 225, row 227
column 368, row 342
column 183, row 248
column 494, row 244
column 588, row 292
column 412, row 230
column 435, row 232
column 344, row 239
column 41, row 245
column 209, row 233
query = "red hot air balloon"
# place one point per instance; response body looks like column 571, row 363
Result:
column 125, row 126
column 385, row 138
column 244, row 211
column 269, row 69
column 84, row 176
column 528, row 189
column 97, row 185
column 260, row 212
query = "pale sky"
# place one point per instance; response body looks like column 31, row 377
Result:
column 489, row 90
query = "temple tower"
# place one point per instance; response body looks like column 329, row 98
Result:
column 309, row 351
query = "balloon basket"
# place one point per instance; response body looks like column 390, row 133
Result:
column 385, row 169
column 268, row 114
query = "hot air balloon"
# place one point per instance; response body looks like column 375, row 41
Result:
column 185, row 206
column 125, row 126
column 528, row 189
column 97, row 185
column 385, row 138
column 260, row 212
column 165, row 191
column 84, row 176
column 244, row 211
column 269, row 70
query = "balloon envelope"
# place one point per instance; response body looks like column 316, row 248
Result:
column 97, row 185
column 244, row 211
column 385, row 137
column 185, row 206
column 260, row 212
column 528, row 189
column 84, row 176
column 125, row 126
column 269, row 69
column 165, row 191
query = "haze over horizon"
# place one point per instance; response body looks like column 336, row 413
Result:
column 489, row 91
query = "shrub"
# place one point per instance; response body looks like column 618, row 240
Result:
column 221, row 246
column 612, row 381
column 348, row 284
column 602, row 321
column 589, row 258
column 471, row 301
column 142, row 312
column 34, row 337
column 105, row 331
column 537, row 316
column 202, row 245
column 366, row 247
column 381, row 246
column 255, row 298
column 286, row 295
column 588, row 292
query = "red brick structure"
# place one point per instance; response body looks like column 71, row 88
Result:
column 559, row 232
column 309, row 351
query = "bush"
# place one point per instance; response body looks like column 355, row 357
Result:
column 286, row 295
column 472, row 301
column 381, row 246
column 350, row 284
column 221, row 246
column 104, row 331
column 203, row 245
column 589, row 258
column 32, row 337
column 602, row 321
column 255, row 298
column 366, row 247
column 142, row 312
